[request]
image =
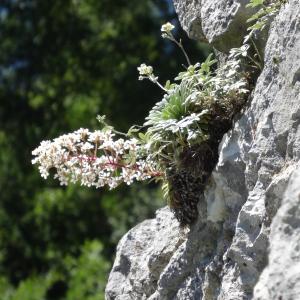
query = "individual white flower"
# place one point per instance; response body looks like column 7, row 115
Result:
column 167, row 28
column 87, row 146
column 96, row 136
column 81, row 133
column 145, row 70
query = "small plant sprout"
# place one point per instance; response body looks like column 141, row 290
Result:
column 266, row 9
column 166, row 30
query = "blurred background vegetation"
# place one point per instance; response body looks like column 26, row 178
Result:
column 62, row 62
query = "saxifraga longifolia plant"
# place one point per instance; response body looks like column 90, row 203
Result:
column 179, row 141
column 186, row 127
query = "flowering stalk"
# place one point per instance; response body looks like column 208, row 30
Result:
column 94, row 159
column 146, row 72
column 166, row 30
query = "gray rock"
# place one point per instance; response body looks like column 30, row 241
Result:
column 189, row 14
column 142, row 254
column 246, row 237
column 222, row 23
column 281, row 278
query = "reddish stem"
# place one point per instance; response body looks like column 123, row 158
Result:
column 118, row 165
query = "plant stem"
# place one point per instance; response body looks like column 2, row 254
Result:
column 154, row 80
column 161, row 87
column 179, row 44
column 119, row 132
column 256, row 49
column 255, row 62
column 116, row 165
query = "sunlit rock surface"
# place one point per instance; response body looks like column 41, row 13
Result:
column 222, row 23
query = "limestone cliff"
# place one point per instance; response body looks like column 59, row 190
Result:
column 246, row 242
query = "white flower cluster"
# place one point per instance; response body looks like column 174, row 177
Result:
column 145, row 70
column 167, row 28
column 93, row 159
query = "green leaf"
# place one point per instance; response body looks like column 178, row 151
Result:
column 168, row 85
column 255, row 3
column 258, row 25
column 256, row 16
column 133, row 130
column 205, row 66
column 142, row 136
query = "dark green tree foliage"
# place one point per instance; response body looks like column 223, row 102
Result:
column 62, row 63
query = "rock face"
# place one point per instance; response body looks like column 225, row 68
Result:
column 281, row 278
column 246, row 242
column 221, row 23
